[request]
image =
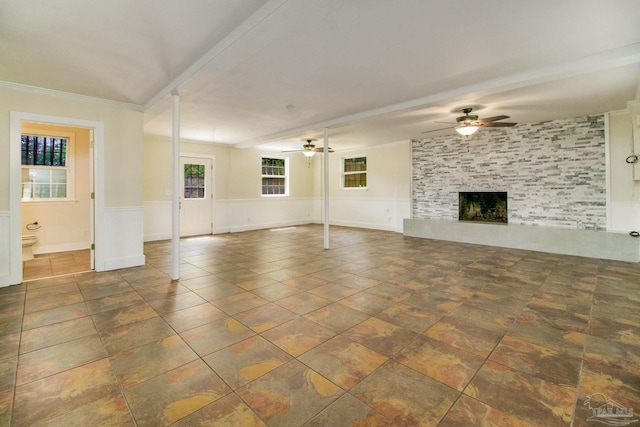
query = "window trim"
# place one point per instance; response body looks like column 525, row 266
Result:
column 344, row 174
column 286, row 175
column 69, row 166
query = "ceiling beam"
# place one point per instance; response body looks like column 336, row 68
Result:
column 265, row 11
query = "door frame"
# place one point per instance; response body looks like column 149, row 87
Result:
column 213, row 182
column 15, row 206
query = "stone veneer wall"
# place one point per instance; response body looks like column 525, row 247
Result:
column 554, row 172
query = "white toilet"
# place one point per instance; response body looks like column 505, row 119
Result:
column 27, row 242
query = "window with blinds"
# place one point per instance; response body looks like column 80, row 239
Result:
column 354, row 172
column 274, row 176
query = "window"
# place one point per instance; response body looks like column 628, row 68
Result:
column 274, row 176
column 355, row 172
column 46, row 167
column 194, row 181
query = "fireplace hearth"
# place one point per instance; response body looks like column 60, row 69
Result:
column 483, row 206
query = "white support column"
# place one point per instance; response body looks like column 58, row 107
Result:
column 326, row 187
column 175, row 192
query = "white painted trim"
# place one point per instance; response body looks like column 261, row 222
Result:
column 15, row 206
column 607, row 166
column 65, row 247
column 5, row 249
column 69, row 95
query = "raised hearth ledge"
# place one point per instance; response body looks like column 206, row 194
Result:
column 586, row 243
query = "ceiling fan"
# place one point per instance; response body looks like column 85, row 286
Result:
column 470, row 123
column 309, row 149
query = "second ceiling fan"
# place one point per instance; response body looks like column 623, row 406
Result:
column 470, row 123
column 309, row 149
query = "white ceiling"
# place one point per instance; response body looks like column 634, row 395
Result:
column 270, row 73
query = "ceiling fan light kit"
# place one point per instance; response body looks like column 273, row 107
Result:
column 467, row 130
column 470, row 123
column 309, row 149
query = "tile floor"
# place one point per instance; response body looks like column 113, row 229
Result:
column 267, row 328
column 56, row 264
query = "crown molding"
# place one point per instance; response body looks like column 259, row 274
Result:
column 69, row 95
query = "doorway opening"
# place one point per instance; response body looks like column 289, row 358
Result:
column 56, row 200
column 55, row 196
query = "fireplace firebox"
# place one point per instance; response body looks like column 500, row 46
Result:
column 483, row 206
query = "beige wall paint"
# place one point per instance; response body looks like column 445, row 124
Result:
column 123, row 136
column 63, row 223
column 388, row 172
column 237, row 171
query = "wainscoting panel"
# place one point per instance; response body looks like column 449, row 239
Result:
column 624, row 217
column 235, row 215
column 5, row 249
column 124, row 233
column 374, row 213
column 157, row 220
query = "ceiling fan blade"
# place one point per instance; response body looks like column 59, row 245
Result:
column 493, row 119
column 498, row 125
column 321, row 150
column 291, row 151
column 436, row 130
